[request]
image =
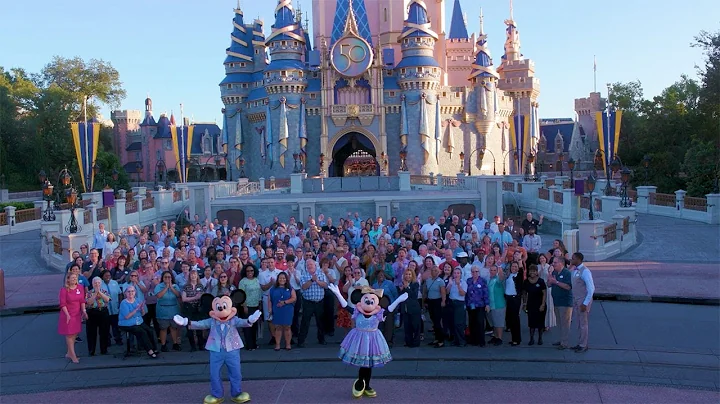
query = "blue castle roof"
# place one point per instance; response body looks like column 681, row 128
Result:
column 417, row 16
column 285, row 17
column 148, row 121
column 213, row 130
column 550, row 129
column 240, row 44
column 341, row 12
column 134, row 146
column 163, row 128
column 458, row 28
column 237, row 78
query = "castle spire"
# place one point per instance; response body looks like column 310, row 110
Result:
column 350, row 22
column 483, row 66
column 458, row 27
column 512, row 39
column 342, row 14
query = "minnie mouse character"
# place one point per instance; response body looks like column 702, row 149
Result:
column 364, row 346
column 224, row 342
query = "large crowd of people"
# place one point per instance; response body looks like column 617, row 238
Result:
column 468, row 278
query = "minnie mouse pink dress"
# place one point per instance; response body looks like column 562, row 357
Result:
column 365, row 346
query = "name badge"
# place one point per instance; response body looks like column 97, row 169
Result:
column 479, row 286
column 537, row 285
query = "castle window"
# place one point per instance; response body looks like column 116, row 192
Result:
column 388, row 72
column 444, row 94
column 232, row 64
column 457, row 95
column 434, row 69
column 257, row 51
column 392, row 93
column 419, row 69
column 313, row 96
column 242, row 64
column 137, row 156
column 385, row 13
column 229, row 86
column 302, row 74
column 315, row 74
column 244, row 85
column 283, row 43
column 405, row 41
column 402, row 71
column 283, row 73
column 295, row 43
column 417, row 40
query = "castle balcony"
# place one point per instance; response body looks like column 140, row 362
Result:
column 363, row 112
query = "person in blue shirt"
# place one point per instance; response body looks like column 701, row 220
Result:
column 167, row 294
column 502, row 237
column 82, row 280
column 131, row 321
column 391, row 291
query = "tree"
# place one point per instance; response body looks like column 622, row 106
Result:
column 701, row 167
column 107, row 163
column 35, row 112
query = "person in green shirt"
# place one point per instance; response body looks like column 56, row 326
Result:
column 496, row 292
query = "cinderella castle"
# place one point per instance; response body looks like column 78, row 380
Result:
column 381, row 86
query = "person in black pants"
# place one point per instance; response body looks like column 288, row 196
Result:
column 98, row 318
column 434, row 293
column 313, row 284
column 513, row 293
column 411, row 310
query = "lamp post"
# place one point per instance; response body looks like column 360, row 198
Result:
column 528, row 171
column 646, row 165
column 303, row 157
column 571, row 166
column 561, row 157
column 625, row 201
column 322, row 164
column 242, row 167
column 591, row 187
column 481, row 154
column 47, row 189
column 71, row 195
column 507, row 153
column 161, row 173
column 403, row 156
column 462, row 163
column 217, row 167
column 228, row 167
column 138, row 171
column 295, row 160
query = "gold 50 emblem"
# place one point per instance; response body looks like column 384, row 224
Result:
column 351, row 56
column 353, row 110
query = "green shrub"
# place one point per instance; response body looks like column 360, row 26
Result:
column 18, row 205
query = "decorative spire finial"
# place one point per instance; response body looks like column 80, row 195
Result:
column 350, row 22
column 482, row 28
column 511, row 10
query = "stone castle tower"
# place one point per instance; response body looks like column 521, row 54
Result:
column 378, row 78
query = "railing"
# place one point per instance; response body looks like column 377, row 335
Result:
column 177, row 196
column 626, row 225
column 128, row 196
column 544, row 193
column 699, row 204
column 662, row 199
column 351, row 184
column 598, row 205
column 131, row 207
column 27, row 215
column 422, row 180
column 25, row 195
column 57, row 245
column 3, row 219
column 508, row 186
column 610, row 233
column 87, row 216
column 558, row 197
column 102, row 214
column 233, row 189
column 568, row 184
column 275, row 183
column 148, row 203
column 549, row 182
column 452, row 182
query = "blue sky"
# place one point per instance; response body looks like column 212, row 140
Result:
column 174, row 50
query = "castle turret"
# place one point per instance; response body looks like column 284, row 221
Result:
column 285, row 81
column 459, row 50
column 419, row 78
column 240, row 62
column 517, row 80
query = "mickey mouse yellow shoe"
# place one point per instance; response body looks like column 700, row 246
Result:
column 241, row 398
column 210, row 399
column 357, row 393
column 370, row 392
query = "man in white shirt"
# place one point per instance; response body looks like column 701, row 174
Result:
column 479, row 221
column 423, row 252
column 583, row 288
column 267, row 277
column 429, row 227
column 533, row 244
column 295, row 241
column 495, row 223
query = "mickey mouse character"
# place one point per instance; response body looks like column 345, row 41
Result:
column 224, row 342
column 365, row 346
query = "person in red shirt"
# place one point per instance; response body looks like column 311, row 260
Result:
column 280, row 262
column 449, row 258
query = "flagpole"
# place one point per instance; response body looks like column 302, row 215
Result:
column 182, row 146
column 594, row 74
column 87, row 147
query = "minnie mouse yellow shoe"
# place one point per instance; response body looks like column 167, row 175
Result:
column 358, row 388
column 370, row 392
column 243, row 397
column 210, row 399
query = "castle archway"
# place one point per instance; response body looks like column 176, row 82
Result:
column 353, row 154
